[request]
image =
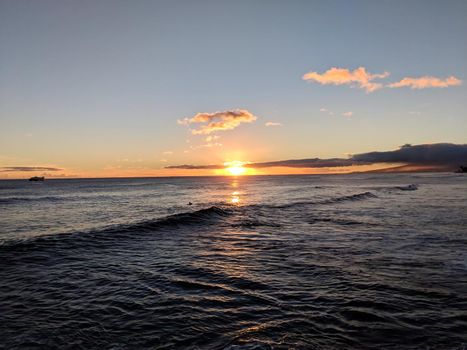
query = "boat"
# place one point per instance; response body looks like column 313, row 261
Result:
column 37, row 178
column 462, row 169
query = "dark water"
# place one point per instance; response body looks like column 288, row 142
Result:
column 286, row 262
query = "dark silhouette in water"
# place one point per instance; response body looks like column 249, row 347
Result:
column 37, row 178
column 462, row 169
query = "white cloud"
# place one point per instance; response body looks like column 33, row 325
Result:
column 273, row 124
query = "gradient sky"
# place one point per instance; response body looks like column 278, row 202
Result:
column 96, row 87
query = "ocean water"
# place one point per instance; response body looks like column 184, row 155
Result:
column 362, row 261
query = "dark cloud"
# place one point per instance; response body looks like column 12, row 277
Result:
column 439, row 156
column 307, row 163
column 427, row 154
column 27, row 168
column 191, row 167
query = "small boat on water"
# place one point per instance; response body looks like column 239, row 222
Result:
column 37, row 178
column 462, row 169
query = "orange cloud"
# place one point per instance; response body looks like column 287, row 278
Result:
column 341, row 76
column 218, row 121
column 426, row 82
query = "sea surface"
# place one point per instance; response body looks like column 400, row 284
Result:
column 361, row 261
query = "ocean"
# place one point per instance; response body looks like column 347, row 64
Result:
column 357, row 261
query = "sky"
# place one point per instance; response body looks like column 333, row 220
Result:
column 144, row 88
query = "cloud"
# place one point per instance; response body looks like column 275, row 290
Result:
column 28, row 168
column 192, row 167
column 325, row 110
column 306, row 163
column 426, row 82
column 342, row 76
column 218, row 121
column 347, row 114
column 447, row 156
column 62, row 175
column 291, row 163
column 273, row 124
column 211, row 138
column 362, row 79
column 168, row 153
column 207, row 145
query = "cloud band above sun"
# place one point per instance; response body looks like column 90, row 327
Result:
column 361, row 78
column 446, row 156
column 218, row 121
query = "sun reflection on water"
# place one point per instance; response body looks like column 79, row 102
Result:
column 235, row 197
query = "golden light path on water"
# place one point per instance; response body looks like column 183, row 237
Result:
column 235, row 199
column 235, row 195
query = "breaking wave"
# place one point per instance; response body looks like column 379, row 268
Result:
column 195, row 218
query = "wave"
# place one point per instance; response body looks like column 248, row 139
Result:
column 352, row 197
column 195, row 218
column 411, row 187
column 391, row 189
column 337, row 221
column 334, row 200
column 198, row 217
column 254, row 223
column 52, row 199
column 11, row 200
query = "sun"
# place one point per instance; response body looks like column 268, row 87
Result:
column 235, row 168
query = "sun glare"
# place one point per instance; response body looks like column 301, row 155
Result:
column 235, row 199
column 235, row 168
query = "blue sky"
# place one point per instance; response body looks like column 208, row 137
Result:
column 97, row 86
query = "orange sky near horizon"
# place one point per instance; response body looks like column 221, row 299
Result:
column 247, row 171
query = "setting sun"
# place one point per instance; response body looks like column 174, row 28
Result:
column 235, row 168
